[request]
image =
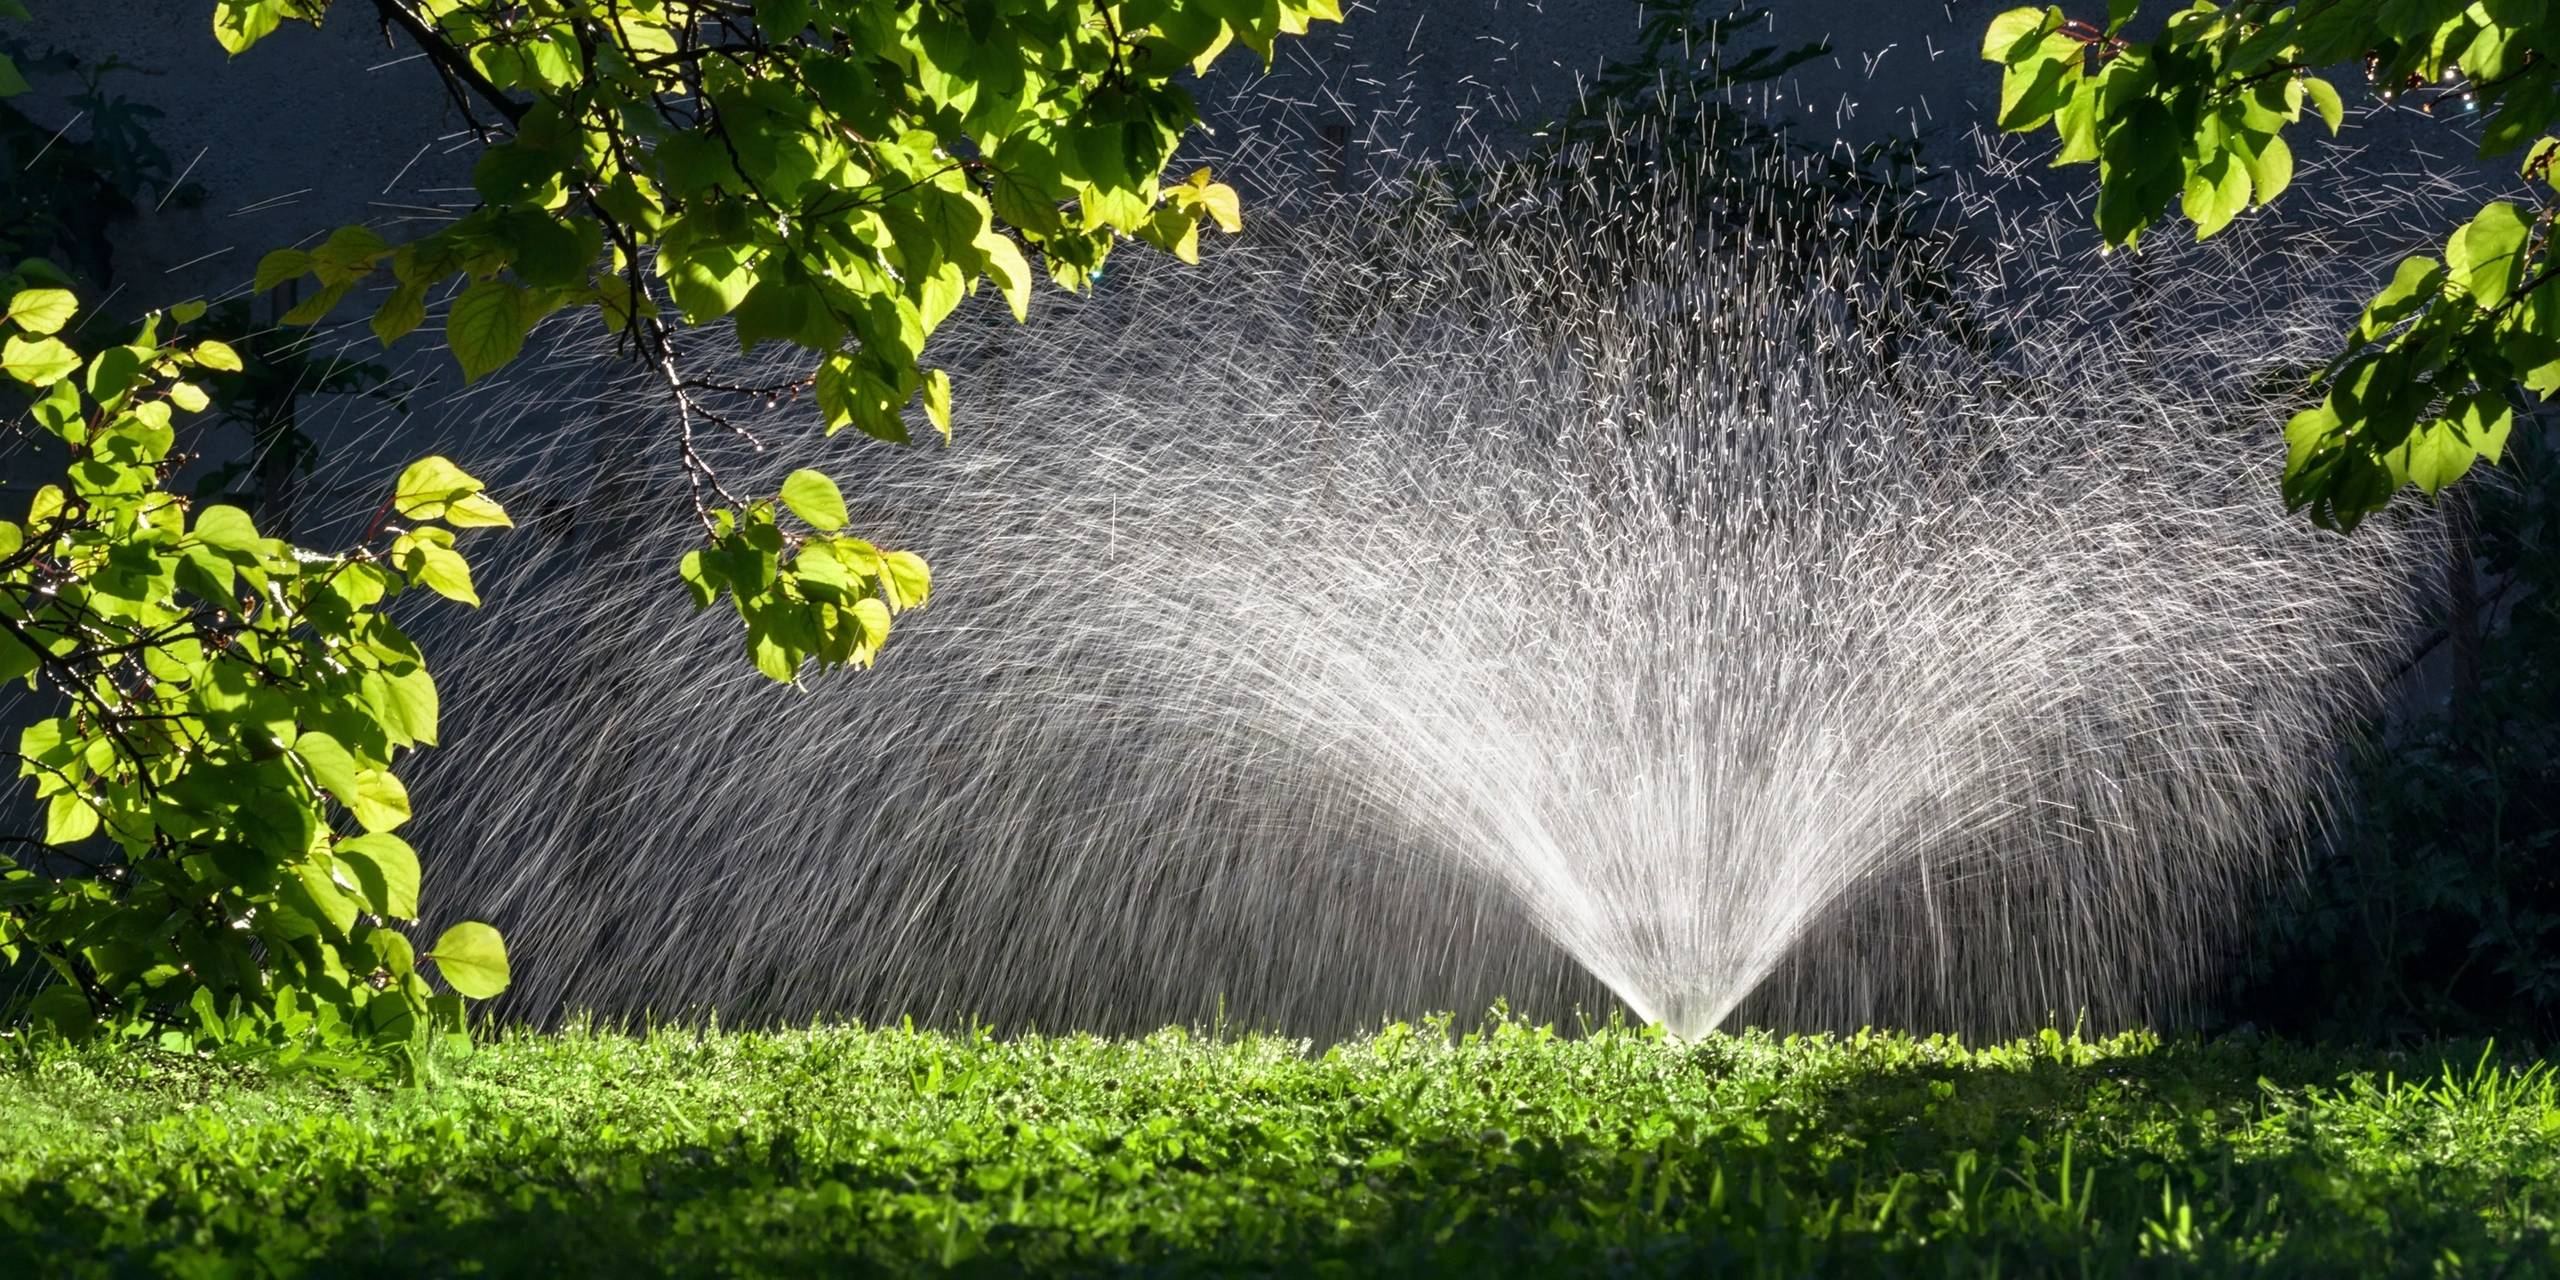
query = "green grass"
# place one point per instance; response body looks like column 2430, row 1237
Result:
column 1512, row 1152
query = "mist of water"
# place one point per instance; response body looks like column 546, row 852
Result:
column 1417, row 604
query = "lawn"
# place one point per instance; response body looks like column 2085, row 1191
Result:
column 1515, row 1151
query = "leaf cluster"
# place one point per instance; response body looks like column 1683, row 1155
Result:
column 2430, row 376
column 835, row 176
column 219, row 863
column 805, row 595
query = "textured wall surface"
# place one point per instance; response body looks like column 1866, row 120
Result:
column 309, row 131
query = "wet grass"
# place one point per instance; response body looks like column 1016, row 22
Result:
column 1512, row 1152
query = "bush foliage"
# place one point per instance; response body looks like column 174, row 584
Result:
column 2429, row 380
column 220, row 864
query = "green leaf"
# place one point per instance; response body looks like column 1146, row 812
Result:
column 550, row 253
column 2270, row 170
column 873, row 617
column 12, row 82
column 473, row 959
column 41, row 362
column 218, row 355
column 65, row 1010
column 905, row 580
column 2031, row 91
column 2309, row 432
column 348, row 256
column 1012, row 274
column 782, row 17
column 280, row 266
column 2483, row 422
column 487, row 327
column 2414, row 284
column 1222, row 204
column 2324, row 99
column 2435, row 457
column 405, row 703
column 2542, row 161
column 478, row 511
column 69, row 818
column 694, row 569
column 381, row 803
column 2000, row 41
column 389, row 949
column 2215, row 194
column 404, row 310
column 428, row 558
column 619, row 305
column 512, row 173
column 43, row 310
column 2493, row 247
column 773, row 311
column 228, row 528
column 320, row 897
column 391, row 1019
column 778, row 662
column 937, row 401
column 814, row 497
column 823, row 575
column 709, row 285
column 848, row 391
column 238, row 24
column 321, row 305
column 2077, row 124
column 332, row 768
column 16, row 660
column 430, row 486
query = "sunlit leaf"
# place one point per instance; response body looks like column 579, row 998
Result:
column 43, row 310
column 472, row 958
column 814, row 497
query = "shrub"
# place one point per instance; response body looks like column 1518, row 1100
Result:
column 218, row 864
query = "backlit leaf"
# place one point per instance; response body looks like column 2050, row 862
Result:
column 2324, row 99
column 381, row 803
column 280, row 266
column 486, row 327
column 472, row 958
column 814, row 497
column 330, row 765
column 39, row 362
column 937, row 401
column 69, row 818
column 430, row 485
column 213, row 353
column 43, row 310
column 228, row 528
column 2493, row 247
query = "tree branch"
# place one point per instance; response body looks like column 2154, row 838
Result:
column 449, row 59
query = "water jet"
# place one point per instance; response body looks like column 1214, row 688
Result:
column 1409, row 607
